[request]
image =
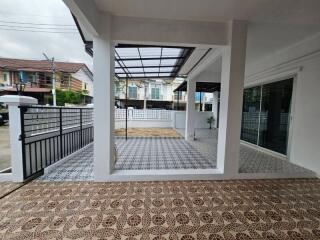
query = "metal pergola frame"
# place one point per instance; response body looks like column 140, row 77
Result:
column 181, row 59
column 128, row 75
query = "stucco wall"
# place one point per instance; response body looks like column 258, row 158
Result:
column 301, row 61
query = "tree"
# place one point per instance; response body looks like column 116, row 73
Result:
column 66, row 96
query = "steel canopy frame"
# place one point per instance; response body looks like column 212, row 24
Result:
column 166, row 61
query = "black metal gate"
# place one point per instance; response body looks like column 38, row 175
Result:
column 49, row 134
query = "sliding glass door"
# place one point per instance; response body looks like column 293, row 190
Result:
column 266, row 113
column 250, row 114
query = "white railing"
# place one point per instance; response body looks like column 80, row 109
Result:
column 143, row 114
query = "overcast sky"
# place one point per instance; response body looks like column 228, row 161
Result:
column 39, row 15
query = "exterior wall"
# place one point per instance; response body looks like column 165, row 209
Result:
column 87, row 81
column 200, row 119
column 301, row 61
column 166, row 90
column 175, row 119
column 75, row 85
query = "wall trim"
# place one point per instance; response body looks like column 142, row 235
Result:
column 264, row 150
column 303, row 50
column 274, row 76
column 5, row 177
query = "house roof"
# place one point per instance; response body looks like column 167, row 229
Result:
column 29, row 90
column 39, row 65
column 200, row 87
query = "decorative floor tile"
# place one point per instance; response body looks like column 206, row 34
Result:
column 170, row 153
column 7, row 187
column 158, row 153
column 77, row 167
column 234, row 210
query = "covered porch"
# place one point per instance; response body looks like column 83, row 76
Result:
column 211, row 52
column 165, row 153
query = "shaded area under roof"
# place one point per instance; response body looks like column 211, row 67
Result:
column 200, row 87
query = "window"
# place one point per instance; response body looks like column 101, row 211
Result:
column 177, row 95
column 31, row 77
column 132, row 92
column 265, row 115
column 65, row 79
column 198, row 96
column 155, row 91
column 5, row 77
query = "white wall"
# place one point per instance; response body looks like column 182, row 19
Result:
column 178, row 120
column 200, row 119
column 83, row 76
column 301, row 61
column 143, row 124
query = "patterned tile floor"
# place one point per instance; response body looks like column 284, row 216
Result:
column 166, row 153
column 251, row 160
column 77, row 167
column 7, row 187
column 233, row 210
column 158, row 153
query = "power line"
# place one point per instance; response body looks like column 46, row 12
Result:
column 23, row 14
column 46, row 24
column 23, row 27
column 20, row 30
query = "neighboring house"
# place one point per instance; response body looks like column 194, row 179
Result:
column 156, row 93
column 37, row 75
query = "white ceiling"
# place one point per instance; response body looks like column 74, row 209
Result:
column 276, row 11
column 196, row 55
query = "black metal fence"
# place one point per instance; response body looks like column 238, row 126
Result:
column 49, row 134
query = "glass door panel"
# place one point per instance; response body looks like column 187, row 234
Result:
column 250, row 114
column 274, row 116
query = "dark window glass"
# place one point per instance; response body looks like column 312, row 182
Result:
column 274, row 117
column 250, row 114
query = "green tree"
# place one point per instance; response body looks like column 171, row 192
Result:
column 65, row 96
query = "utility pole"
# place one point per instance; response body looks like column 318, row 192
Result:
column 53, row 69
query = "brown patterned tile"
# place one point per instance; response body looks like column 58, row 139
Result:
column 7, row 187
column 235, row 210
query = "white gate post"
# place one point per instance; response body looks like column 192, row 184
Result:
column 14, row 102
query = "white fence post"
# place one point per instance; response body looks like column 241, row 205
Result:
column 14, row 102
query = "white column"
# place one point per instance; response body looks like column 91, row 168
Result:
column 215, row 108
column 103, row 68
column 232, row 81
column 14, row 102
column 190, row 114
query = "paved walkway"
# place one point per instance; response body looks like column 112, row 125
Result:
column 251, row 160
column 170, row 153
column 158, row 153
column 77, row 167
column 187, row 210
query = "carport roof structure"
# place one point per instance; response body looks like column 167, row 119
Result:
column 200, row 87
column 137, row 61
column 145, row 61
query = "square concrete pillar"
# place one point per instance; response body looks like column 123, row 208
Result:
column 190, row 114
column 103, row 72
column 14, row 101
column 232, row 82
column 215, row 106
